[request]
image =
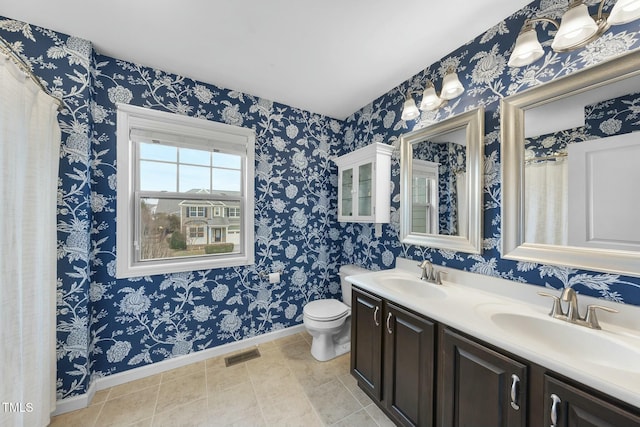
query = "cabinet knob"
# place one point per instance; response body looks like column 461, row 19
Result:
column 555, row 400
column 515, row 382
column 389, row 324
column 375, row 316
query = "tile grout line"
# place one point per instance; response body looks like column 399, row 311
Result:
column 306, row 396
column 255, row 393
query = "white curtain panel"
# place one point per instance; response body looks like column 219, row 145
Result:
column 463, row 206
column 29, row 156
column 546, row 202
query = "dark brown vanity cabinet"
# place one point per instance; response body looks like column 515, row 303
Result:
column 424, row 374
column 391, row 343
column 366, row 342
column 409, row 368
column 479, row 387
column 569, row 406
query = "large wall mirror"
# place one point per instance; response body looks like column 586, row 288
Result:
column 571, row 170
column 441, row 184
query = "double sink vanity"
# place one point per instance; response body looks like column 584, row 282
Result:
column 482, row 351
column 478, row 351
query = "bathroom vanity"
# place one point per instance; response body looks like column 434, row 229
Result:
column 457, row 355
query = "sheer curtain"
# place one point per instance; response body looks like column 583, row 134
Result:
column 29, row 156
column 462, row 205
column 546, row 202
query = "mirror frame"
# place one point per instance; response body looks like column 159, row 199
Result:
column 473, row 121
column 512, row 153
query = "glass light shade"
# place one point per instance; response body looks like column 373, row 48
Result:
column 624, row 11
column 430, row 100
column 527, row 49
column 451, row 86
column 410, row 111
column 576, row 27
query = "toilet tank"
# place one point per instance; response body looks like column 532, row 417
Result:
column 349, row 270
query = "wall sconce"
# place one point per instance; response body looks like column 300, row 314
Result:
column 451, row 88
column 576, row 29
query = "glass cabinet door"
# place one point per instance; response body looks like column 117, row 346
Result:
column 346, row 202
column 365, row 177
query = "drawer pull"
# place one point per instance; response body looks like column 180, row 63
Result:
column 515, row 382
column 554, row 409
column 389, row 324
column 375, row 316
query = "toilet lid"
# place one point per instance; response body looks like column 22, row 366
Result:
column 325, row 309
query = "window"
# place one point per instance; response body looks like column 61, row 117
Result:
column 175, row 173
column 196, row 211
column 424, row 194
column 196, row 232
column 234, row 212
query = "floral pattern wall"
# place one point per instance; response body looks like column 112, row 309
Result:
column 107, row 326
column 482, row 67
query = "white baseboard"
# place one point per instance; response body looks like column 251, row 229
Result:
column 82, row 401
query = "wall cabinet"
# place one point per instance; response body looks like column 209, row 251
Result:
column 364, row 177
column 394, row 359
column 391, row 343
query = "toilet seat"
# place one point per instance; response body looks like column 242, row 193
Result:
column 325, row 310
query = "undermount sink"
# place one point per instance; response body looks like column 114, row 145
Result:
column 553, row 335
column 413, row 287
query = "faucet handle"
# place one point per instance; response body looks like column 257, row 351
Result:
column 591, row 320
column 556, row 310
column 439, row 275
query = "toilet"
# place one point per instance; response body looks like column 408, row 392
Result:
column 328, row 321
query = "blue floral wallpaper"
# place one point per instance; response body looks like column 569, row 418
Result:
column 106, row 326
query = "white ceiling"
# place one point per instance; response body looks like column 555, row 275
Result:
column 327, row 56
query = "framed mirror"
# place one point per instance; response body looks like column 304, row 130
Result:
column 570, row 170
column 441, row 169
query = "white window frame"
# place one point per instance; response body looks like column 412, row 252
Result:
column 208, row 133
column 198, row 210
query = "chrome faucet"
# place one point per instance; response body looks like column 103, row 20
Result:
column 427, row 269
column 430, row 274
column 569, row 296
column 572, row 315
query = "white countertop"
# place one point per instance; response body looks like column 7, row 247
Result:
column 467, row 302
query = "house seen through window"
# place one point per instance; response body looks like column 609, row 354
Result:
column 189, row 198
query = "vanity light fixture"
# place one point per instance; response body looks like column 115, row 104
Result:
column 451, row 88
column 576, row 29
column 409, row 111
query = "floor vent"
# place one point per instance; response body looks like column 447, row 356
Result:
column 241, row 357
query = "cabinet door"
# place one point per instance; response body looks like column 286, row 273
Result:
column 568, row 406
column 366, row 342
column 347, row 191
column 409, row 342
column 479, row 387
column 365, row 193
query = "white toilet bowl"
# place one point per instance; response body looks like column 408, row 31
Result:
column 328, row 321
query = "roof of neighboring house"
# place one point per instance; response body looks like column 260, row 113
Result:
column 172, row 206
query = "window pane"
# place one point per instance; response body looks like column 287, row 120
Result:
column 155, row 176
column 222, row 160
column 194, row 178
column 195, row 157
column 150, row 151
column 227, row 180
column 176, row 228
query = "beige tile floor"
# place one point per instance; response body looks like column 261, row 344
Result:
column 284, row 387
